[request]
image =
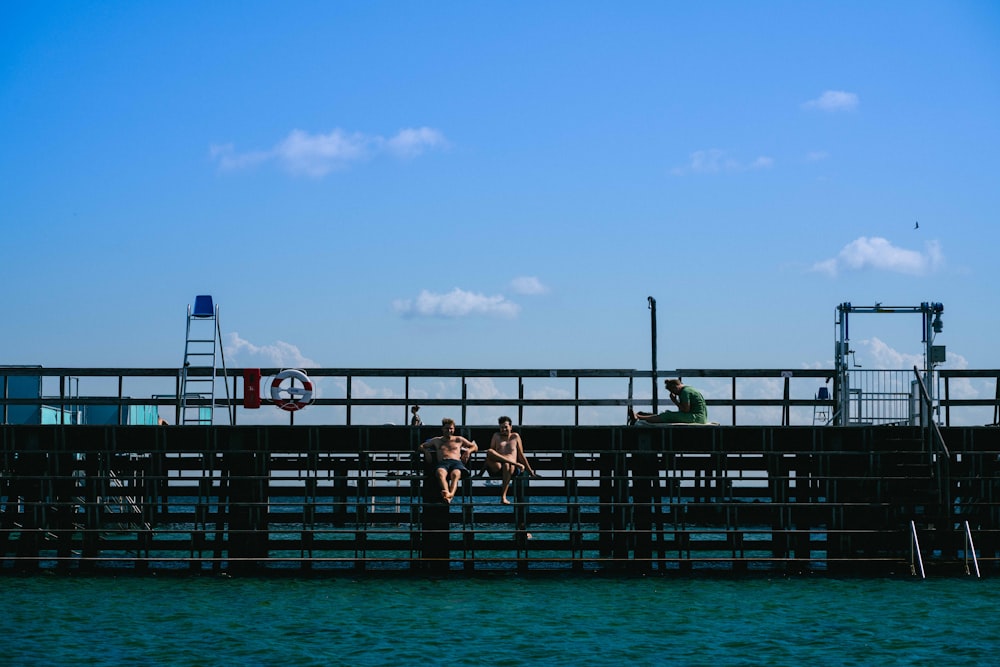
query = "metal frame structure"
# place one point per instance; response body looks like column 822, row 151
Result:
column 932, row 325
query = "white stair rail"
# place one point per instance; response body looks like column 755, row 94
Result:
column 915, row 550
column 970, row 548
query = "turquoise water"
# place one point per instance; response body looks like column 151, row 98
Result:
column 503, row 620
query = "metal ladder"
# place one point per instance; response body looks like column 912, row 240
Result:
column 201, row 344
column 968, row 552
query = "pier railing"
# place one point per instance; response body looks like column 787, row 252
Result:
column 473, row 396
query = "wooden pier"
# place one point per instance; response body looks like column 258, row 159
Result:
column 871, row 500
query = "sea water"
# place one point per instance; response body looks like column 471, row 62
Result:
column 498, row 620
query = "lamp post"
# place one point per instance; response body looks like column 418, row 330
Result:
column 652, row 317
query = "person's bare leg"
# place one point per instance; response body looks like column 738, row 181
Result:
column 492, row 464
column 443, row 481
column 453, row 483
column 508, row 471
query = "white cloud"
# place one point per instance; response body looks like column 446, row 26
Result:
column 714, row 160
column 884, row 357
column 228, row 159
column 412, row 142
column 316, row 155
column 528, row 285
column 711, row 161
column 828, row 266
column 456, row 303
column 361, row 389
column 547, row 393
column 816, row 156
column 243, row 353
column 879, row 254
column 966, row 388
column 482, row 389
column 834, row 100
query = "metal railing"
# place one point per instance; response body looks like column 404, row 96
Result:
column 915, row 557
column 937, row 450
column 880, row 397
column 532, row 396
column 970, row 549
column 970, row 387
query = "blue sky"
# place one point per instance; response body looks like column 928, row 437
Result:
column 497, row 185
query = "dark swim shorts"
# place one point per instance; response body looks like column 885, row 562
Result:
column 452, row 464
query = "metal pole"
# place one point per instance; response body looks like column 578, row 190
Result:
column 928, row 333
column 652, row 317
column 841, row 389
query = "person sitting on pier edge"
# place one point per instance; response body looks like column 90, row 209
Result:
column 452, row 453
column 689, row 401
column 506, row 456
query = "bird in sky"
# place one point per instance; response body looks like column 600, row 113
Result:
column 916, row 225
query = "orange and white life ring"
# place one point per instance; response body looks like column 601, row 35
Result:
column 291, row 398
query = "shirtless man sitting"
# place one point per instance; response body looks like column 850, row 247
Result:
column 452, row 453
column 506, row 456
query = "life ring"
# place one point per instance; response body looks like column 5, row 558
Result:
column 293, row 398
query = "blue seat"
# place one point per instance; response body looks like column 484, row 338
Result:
column 203, row 306
column 823, row 394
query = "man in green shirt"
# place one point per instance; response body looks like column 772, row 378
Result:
column 689, row 402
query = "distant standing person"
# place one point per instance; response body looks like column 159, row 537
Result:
column 415, row 419
column 506, row 457
column 691, row 407
column 452, row 453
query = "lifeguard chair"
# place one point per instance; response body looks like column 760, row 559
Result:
column 202, row 343
column 821, row 413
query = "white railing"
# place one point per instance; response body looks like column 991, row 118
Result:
column 970, row 548
column 915, row 557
